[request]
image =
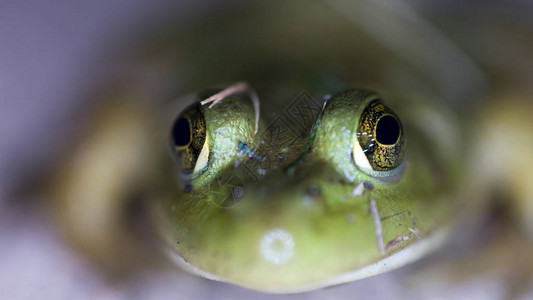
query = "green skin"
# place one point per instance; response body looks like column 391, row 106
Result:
column 299, row 223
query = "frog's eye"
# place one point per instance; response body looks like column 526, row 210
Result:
column 208, row 139
column 190, row 142
column 380, row 142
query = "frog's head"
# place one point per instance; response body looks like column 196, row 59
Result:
column 358, row 196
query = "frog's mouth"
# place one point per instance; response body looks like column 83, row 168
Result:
column 396, row 260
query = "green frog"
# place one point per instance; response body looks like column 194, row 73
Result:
column 364, row 192
column 301, row 190
column 362, row 189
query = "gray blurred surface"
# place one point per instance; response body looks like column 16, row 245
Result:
column 51, row 54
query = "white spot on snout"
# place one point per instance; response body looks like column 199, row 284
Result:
column 277, row 246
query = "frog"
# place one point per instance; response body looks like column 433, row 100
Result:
column 231, row 203
column 357, row 196
column 362, row 191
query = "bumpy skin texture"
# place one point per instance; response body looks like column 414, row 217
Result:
column 309, row 216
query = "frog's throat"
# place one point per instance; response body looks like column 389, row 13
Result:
column 409, row 254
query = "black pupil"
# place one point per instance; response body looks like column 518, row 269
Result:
column 181, row 132
column 388, row 130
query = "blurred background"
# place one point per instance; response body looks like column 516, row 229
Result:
column 59, row 60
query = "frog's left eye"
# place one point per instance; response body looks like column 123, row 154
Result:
column 380, row 140
column 190, row 142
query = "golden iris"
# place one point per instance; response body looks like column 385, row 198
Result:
column 381, row 137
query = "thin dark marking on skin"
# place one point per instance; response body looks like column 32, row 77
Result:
column 239, row 87
column 394, row 215
column 377, row 225
column 402, row 238
column 397, row 240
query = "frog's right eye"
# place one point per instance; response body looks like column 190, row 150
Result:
column 207, row 140
column 379, row 145
column 190, row 142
